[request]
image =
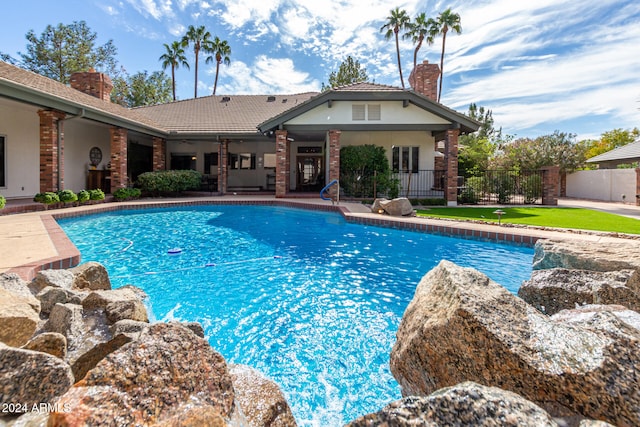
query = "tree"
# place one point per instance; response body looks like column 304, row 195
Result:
column 478, row 148
column 421, row 29
column 396, row 21
column 221, row 51
column 174, row 57
column 612, row 139
column 199, row 38
column 141, row 89
column 66, row 49
column 348, row 73
column 447, row 20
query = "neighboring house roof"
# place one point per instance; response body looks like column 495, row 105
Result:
column 627, row 153
column 222, row 115
column 26, row 86
column 375, row 92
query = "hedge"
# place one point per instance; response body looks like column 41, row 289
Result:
column 167, row 182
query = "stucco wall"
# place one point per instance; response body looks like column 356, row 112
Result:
column 79, row 136
column 20, row 125
column 605, row 184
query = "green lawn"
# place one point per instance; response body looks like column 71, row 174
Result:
column 584, row 219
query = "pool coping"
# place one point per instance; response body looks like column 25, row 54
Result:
column 68, row 255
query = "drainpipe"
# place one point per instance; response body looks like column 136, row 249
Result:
column 58, row 123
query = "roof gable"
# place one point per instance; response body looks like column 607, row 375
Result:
column 629, row 152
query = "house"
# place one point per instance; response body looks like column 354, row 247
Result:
column 54, row 136
column 626, row 154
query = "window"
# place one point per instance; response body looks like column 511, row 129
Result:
column 269, row 160
column 358, row 112
column 242, row 161
column 211, row 163
column 365, row 112
column 3, row 162
column 374, row 111
column 405, row 159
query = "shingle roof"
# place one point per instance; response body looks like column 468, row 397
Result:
column 626, row 152
column 367, row 87
column 50, row 92
column 222, row 114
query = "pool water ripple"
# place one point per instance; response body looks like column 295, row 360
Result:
column 308, row 299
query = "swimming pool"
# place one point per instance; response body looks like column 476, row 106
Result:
column 306, row 298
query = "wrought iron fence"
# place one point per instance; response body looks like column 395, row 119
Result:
column 502, row 187
column 422, row 184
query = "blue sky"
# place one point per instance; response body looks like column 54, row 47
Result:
column 540, row 65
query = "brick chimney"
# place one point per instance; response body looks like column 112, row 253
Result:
column 424, row 79
column 93, row 83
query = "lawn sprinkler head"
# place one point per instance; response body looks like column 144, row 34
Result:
column 499, row 212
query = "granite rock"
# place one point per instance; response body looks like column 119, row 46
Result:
column 397, row 207
column 164, row 376
column 558, row 289
column 465, row 405
column 52, row 343
column 18, row 318
column 66, row 319
column 87, row 361
column 461, row 326
column 12, row 282
column 90, row 276
column 261, row 400
column 56, row 278
column 586, row 255
column 119, row 304
column 51, row 296
column 31, row 377
column 128, row 326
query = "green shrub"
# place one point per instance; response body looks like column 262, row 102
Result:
column 532, row 188
column 429, row 202
column 3, row 201
column 47, row 198
column 126, row 194
column 167, row 182
column 503, row 186
column 67, row 196
column 83, row 196
column 96, row 194
column 473, row 191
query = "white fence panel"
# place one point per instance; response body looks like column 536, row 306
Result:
column 609, row 185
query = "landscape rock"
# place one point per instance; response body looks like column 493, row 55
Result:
column 66, row 319
column 91, row 276
column 90, row 359
column 261, row 400
column 194, row 327
column 558, row 289
column 397, row 207
column 18, row 318
column 614, row 320
column 12, row 282
column 465, row 405
column 52, row 343
column 128, row 326
column 31, row 377
column 586, row 255
column 168, row 374
column 119, row 304
column 461, row 326
column 56, row 278
column 51, row 296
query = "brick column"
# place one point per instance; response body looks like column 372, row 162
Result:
column 283, row 171
column 550, row 184
column 451, row 160
column 334, row 159
column 159, row 154
column 119, row 177
column 223, row 166
column 51, row 155
column 638, row 187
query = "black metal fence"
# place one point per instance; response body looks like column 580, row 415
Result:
column 501, row 187
column 422, row 184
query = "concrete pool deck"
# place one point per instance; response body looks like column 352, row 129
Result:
column 30, row 242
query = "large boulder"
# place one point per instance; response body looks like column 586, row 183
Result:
column 18, row 317
column 31, row 377
column 167, row 376
column 56, row 278
column 558, row 289
column 614, row 320
column 52, row 343
column 465, row 405
column 66, row 319
column 397, row 207
column 51, row 296
column 461, row 326
column 118, row 304
column 260, row 399
column 12, row 282
column 586, row 255
column 88, row 360
column 91, row 276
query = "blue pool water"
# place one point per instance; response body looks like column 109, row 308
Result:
column 306, row 298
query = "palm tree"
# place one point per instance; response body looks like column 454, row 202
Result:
column 200, row 38
column 421, row 29
column 221, row 51
column 398, row 20
column 174, row 57
column 446, row 21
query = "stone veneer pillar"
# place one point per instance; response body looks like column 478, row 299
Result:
column 638, row 187
column 282, row 164
column 550, row 185
column 119, row 177
column 223, row 166
column 159, row 154
column 51, row 151
column 334, row 159
column 451, row 159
